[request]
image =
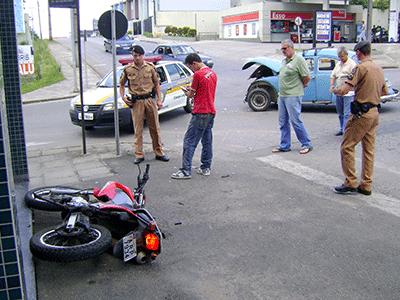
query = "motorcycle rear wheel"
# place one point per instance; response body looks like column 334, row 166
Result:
column 55, row 245
column 52, row 193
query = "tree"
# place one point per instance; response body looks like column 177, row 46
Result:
column 379, row 4
column 364, row 3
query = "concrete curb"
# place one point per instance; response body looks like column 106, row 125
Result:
column 49, row 99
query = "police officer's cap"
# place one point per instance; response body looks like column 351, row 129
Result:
column 361, row 45
column 138, row 49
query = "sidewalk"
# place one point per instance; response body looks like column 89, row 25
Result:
column 63, row 89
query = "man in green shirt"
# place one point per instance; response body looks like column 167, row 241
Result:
column 293, row 78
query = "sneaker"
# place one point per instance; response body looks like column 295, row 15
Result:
column 344, row 189
column 339, row 133
column 180, row 175
column 204, row 172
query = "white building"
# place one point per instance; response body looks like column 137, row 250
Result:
column 273, row 21
column 262, row 20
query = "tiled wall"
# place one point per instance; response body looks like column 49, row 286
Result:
column 10, row 283
column 12, row 90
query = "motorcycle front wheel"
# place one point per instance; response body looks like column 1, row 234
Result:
column 61, row 246
column 36, row 198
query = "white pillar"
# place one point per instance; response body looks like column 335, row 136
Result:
column 141, row 16
column 393, row 20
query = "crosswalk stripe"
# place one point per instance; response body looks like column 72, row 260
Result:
column 385, row 203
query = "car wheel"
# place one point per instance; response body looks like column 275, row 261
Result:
column 259, row 99
column 189, row 105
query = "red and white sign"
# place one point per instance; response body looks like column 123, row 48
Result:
column 26, row 69
column 339, row 14
column 252, row 16
column 26, row 60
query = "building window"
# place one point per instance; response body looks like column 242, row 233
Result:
column 280, row 26
column 237, row 30
column 253, row 29
column 244, row 29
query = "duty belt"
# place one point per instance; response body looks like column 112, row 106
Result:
column 140, row 97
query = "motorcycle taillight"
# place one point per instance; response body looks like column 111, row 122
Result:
column 152, row 241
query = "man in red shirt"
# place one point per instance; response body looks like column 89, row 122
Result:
column 200, row 127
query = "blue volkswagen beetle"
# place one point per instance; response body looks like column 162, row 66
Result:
column 264, row 90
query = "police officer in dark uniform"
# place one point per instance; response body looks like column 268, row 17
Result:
column 368, row 82
column 142, row 81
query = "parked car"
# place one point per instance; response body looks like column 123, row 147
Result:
column 122, row 45
column 148, row 57
column 171, row 52
column 99, row 102
column 264, row 90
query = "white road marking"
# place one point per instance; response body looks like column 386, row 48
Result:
column 377, row 200
column 99, row 65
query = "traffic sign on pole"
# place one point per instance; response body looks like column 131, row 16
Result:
column 298, row 22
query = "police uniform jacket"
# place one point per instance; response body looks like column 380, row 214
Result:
column 368, row 82
column 141, row 80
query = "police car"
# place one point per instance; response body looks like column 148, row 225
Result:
column 99, row 103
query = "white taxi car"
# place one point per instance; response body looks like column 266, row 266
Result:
column 99, row 102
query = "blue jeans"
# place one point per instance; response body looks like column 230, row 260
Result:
column 343, row 109
column 200, row 128
column 289, row 108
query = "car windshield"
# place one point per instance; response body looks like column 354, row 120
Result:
column 108, row 81
column 183, row 50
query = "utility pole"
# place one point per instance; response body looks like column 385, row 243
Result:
column 74, row 48
column 369, row 20
column 50, row 30
column 325, row 5
column 40, row 23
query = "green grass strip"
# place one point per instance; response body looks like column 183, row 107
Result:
column 47, row 71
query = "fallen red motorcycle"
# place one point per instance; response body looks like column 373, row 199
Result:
column 96, row 220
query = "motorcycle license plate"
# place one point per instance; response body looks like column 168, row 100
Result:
column 129, row 244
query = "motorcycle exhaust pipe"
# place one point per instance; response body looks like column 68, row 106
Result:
column 141, row 258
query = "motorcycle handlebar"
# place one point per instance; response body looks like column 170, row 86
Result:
column 142, row 181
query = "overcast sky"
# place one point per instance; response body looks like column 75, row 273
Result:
column 194, row 4
column 92, row 9
column 61, row 25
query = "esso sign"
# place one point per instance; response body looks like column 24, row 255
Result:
column 278, row 16
column 298, row 21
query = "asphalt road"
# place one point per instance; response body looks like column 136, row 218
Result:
column 262, row 226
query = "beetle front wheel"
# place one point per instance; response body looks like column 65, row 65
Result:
column 259, row 99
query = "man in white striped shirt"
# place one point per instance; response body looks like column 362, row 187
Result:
column 341, row 73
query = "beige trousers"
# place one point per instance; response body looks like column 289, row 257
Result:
column 362, row 130
column 146, row 109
